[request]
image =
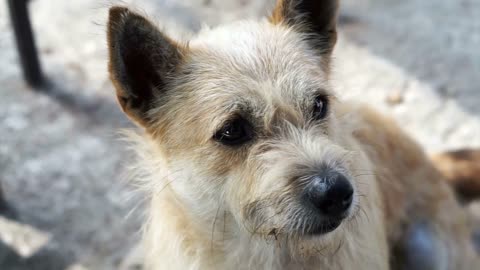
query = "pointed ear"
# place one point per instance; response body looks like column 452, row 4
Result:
column 318, row 18
column 141, row 60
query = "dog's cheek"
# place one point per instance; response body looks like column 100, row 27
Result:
column 192, row 185
column 247, row 193
column 240, row 192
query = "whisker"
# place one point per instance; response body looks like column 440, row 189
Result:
column 364, row 174
column 213, row 226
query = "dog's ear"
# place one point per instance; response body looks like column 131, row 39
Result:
column 142, row 59
column 316, row 18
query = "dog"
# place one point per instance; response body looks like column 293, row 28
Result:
column 251, row 161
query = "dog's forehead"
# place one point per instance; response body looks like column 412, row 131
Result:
column 258, row 52
column 255, row 68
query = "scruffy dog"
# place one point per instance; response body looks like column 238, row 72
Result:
column 252, row 162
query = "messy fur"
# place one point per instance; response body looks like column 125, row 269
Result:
column 217, row 206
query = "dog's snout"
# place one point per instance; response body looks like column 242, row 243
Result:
column 330, row 194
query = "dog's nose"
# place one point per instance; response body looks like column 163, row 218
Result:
column 331, row 194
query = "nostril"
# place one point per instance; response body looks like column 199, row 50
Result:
column 348, row 198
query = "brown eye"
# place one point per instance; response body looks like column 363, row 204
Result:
column 320, row 107
column 234, row 132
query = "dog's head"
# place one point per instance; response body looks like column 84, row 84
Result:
column 245, row 116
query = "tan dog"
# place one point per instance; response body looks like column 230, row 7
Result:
column 251, row 161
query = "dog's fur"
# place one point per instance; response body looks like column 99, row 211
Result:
column 462, row 169
column 214, row 206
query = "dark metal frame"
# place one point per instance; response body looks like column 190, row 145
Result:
column 27, row 51
column 29, row 61
column 3, row 203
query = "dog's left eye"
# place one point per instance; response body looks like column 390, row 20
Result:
column 234, row 132
column 320, row 107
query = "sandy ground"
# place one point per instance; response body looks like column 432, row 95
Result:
column 62, row 163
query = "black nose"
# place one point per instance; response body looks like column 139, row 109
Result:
column 331, row 194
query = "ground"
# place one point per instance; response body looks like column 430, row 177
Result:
column 62, row 162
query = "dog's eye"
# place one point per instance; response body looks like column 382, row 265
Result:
column 235, row 132
column 320, row 107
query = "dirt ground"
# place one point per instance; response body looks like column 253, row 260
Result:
column 61, row 160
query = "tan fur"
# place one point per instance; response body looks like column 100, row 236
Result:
column 414, row 190
column 462, row 170
column 197, row 217
column 219, row 207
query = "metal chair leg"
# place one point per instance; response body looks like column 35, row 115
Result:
column 25, row 42
column 3, row 203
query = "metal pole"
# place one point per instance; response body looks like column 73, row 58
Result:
column 25, row 42
column 3, row 203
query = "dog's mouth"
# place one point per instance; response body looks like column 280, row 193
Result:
column 323, row 227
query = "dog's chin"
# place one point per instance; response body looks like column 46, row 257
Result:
column 323, row 228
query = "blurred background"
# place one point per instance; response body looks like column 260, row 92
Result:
column 64, row 201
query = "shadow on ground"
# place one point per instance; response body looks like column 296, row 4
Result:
column 44, row 259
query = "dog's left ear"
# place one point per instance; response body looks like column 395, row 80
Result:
column 316, row 18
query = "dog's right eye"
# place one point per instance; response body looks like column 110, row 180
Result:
column 234, row 132
column 320, row 107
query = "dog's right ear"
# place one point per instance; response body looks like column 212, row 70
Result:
column 141, row 60
column 316, row 18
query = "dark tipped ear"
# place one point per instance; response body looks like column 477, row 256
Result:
column 316, row 17
column 141, row 61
